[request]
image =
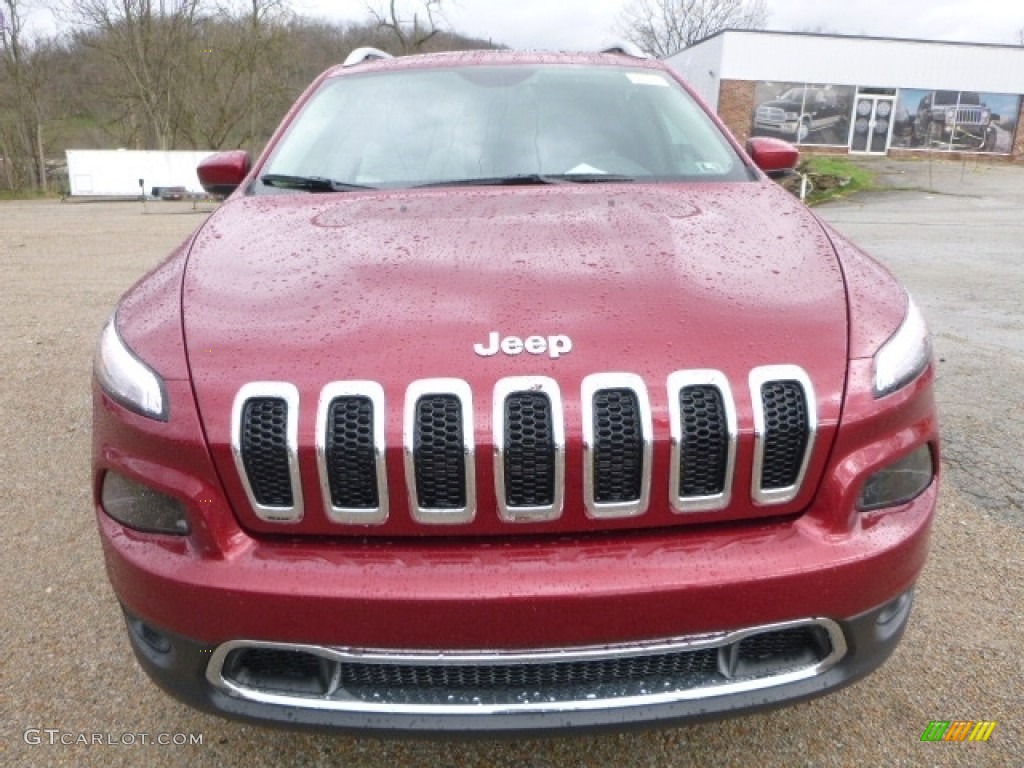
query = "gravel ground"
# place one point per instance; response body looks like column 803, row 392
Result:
column 67, row 664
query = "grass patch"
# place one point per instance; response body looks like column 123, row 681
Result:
column 833, row 177
column 29, row 194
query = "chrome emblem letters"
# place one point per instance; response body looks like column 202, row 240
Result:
column 555, row 346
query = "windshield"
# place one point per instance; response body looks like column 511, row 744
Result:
column 442, row 126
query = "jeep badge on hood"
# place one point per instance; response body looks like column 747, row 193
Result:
column 555, row 346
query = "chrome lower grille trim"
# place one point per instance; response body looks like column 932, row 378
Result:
column 543, row 456
column 545, row 681
column 283, row 459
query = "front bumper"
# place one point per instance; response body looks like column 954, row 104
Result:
column 438, row 601
column 521, row 594
column 195, row 673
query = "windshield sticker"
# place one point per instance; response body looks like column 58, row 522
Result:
column 706, row 167
column 646, row 78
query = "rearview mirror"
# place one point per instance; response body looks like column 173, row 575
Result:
column 773, row 156
column 220, row 174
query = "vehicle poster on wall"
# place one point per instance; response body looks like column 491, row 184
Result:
column 803, row 113
column 955, row 121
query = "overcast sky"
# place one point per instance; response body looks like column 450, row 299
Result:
column 586, row 24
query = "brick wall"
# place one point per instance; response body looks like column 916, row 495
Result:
column 1018, row 144
column 736, row 106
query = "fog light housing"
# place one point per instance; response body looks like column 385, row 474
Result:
column 899, row 482
column 142, row 508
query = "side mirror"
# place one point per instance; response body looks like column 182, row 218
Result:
column 773, row 156
column 220, row 174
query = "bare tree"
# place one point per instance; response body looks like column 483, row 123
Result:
column 21, row 97
column 148, row 41
column 664, row 27
column 233, row 77
column 410, row 34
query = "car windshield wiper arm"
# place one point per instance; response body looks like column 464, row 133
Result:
column 533, row 178
column 593, row 178
column 308, row 183
column 497, row 181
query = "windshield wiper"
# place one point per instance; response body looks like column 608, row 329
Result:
column 593, row 178
column 309, row 183
column 523, row 179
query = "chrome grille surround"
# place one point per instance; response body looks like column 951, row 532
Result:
column 677, row 382
column 502, row 390
column 599, row 677
column 373, row 392
column 462, row 392
column 762, row 493
column 593, row 384
column 290, row 395
column 758, row 378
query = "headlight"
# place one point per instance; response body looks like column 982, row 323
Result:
column 792, row 115
column 899, row 482
column 904, row 355
column 140, row 507
column 126, row 378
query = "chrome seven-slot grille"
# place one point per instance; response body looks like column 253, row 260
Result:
column 529, row 446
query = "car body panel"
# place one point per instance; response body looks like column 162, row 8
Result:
column 424, row 276
column 392, row 287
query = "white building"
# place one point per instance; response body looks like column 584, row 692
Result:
column 130, row 173
column 862, row 94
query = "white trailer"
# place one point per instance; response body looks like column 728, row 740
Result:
column 131, row 173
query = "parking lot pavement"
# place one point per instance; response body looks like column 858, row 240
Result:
column 67, row 671
column 953, row 233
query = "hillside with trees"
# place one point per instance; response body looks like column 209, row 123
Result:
column 175, row 74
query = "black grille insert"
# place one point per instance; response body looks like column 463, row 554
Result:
column 704, row 443
column 350, row 453
column 438, row 453
column 772, row 652
column 786, row 430
column 529, row 450
column 618, row 446
column 264, row 443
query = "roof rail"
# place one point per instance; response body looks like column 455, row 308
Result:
column 624, row 48
column 359, row 55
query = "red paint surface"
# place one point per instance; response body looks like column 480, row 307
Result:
column 398, row 286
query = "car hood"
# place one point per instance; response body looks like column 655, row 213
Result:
column 782, row 104
column 399, row 286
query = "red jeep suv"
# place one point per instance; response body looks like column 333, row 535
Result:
column 507, row 393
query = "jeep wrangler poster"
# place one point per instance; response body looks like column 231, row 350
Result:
column 955, row 121
column 803, row 113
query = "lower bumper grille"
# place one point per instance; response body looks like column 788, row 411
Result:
column 562, row 680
